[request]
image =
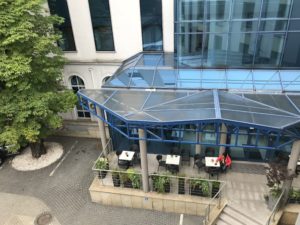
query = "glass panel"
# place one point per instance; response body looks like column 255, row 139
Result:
column 241, row 49
column 191, row 10
column 215, row 47
column 273, row 25
column 239, row 79
column 278, row 101
column 296, row 10
column 213, row 79
column 189, row 50
column 294, row 25
column 244, row 26
column 165, row 78
column 101, row 21
column 60, row 8
column 149, row 60
column 217, row 27
column 151, row 16
column 246, row 9
column 142, row 78
column 276, row 8
column 188, row 79
column 290, row 80
column 266, row 80
column 291, row 56
column 218, row 9
column 191, row 27
column 269, row 49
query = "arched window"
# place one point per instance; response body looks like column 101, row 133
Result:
column 77, row 83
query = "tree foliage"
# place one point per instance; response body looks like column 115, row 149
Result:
column 31, row 90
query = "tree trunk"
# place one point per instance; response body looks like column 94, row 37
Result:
column 38, row 148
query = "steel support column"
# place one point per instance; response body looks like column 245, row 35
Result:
column 291, row 168
column 102, row 131
column 223, row 139
column 144, row 160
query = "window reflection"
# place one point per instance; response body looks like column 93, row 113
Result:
column 151, row 16
column 102, row 27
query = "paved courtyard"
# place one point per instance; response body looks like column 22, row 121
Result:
column 63, row 189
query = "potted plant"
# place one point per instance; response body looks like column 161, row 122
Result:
column 215, row 187
column 200, row 187
column 161, row 183
column 102, row 165
column 134, row 178
column 181, row 184
column 127, row 183
column 196, row 187
column 116, row 178
column 294, row 196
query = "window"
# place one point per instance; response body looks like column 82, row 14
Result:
column 60, row 8
column 77, row 84
column 102, row 27
column 151, row 16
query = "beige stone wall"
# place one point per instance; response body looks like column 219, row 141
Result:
column 131, row 198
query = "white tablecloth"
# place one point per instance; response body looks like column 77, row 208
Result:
column 126, row 155
column 212, row 162
column 173, row 160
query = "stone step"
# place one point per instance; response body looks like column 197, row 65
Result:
column 230, row 220
column 222, row 222
column 249, row 219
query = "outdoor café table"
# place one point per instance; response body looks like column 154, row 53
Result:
column 173, row 162
column 126, row 155
column 212, row 162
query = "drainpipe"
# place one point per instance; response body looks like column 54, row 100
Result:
column 144, row 160
column 101, row 125
column 291, row 169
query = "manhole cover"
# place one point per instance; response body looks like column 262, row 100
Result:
column 44, row 219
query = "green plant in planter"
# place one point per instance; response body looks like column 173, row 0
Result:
column 116, row 178
column 181, row 184
column 215, row 187
column 125, row 180
column 161, row 183
column 294, row 196
column 102, row 165
column 205, row 188
column 134, row 178
column 200, row 187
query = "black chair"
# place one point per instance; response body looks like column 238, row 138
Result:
column 134, row 148
column 123, row 164
column 160, row 162
column 185, row 156
column 213, row 171
column 175, row 151
column 210, row 152
column 197, row 157
column 173, row 169
column 199, row 164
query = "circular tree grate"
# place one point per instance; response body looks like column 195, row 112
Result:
column 44, row 218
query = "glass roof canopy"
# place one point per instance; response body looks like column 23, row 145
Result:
column 162, row 107
column 159, row 71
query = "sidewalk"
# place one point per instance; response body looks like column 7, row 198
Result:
column 21, row 210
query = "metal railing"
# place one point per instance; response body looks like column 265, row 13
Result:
column 214, row 203
column 276, row 207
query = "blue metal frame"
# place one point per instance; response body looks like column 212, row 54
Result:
column 236, row 127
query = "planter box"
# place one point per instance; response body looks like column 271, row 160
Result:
column 102, row 174
column 197, row 191
column 116, row 181
column 181, row 186
column 127, row 184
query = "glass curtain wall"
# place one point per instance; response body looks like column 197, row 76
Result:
column 237, row 33
column 102, row 27
column 151, row 16
column 60, row 8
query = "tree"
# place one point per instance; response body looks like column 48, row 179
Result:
column 31, row 90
